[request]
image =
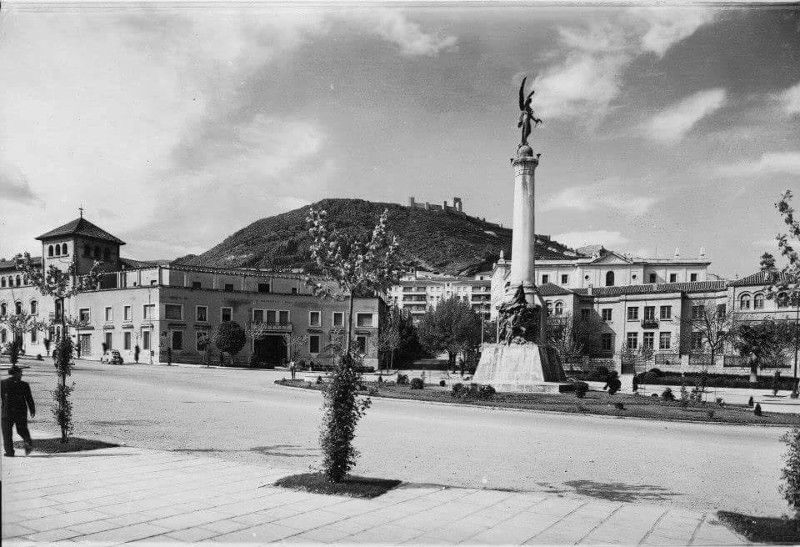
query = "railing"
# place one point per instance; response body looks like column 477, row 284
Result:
column 700, row 359
column 734, row 361
column 263, row 326
column 649, row 323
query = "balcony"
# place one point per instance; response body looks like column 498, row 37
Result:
column 265, row 327
column 650, row 323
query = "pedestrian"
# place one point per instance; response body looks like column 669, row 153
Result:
column 16, row 402
column 78, row 349
column 613, row 383
column 169, row 356
column 136, row 352
column 292, row 368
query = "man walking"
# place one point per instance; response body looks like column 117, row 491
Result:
column 16, row 401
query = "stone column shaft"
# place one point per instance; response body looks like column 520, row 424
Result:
column 523, row 237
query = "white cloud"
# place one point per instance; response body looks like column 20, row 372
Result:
column 602, row 195
column 393, row 26
column 791, row 99
column 770, row 163
column 608, row 239
column 671, row 125
column 668, row 26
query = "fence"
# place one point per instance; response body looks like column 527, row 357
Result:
column 700, row 360
column 667, row 359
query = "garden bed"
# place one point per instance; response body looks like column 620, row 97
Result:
column 353, row 486
column 763, row 529
column 595, row 402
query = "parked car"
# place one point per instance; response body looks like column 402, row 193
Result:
column 112, row 357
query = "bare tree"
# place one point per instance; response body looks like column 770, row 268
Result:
column 715, row 325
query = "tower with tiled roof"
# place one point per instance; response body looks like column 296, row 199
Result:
column 80, row 242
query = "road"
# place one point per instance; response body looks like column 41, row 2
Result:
column 242, row 415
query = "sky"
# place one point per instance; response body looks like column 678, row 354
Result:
column 664, row 128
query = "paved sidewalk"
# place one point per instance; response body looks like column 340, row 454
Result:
column 122, row 495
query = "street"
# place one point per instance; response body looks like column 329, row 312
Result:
column 242, row 415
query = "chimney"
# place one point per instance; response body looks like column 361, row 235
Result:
column 702, row 252
column 677, row 253
column 411, row 201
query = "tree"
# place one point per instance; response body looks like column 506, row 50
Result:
column 61, row 285
column 349, row 267
column 764, row 342
column 22, row 323
column 390, row 334
column 715, row 323
column 563, row 334
column 452, row 327
column 229, row 338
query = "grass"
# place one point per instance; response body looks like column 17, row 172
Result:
column 75, row 444
column 763, row 529
column 595, row 402
column 353, row 486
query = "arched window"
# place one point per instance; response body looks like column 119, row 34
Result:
column 549, row 307
column 3, row 309
column 87, row 250
column 559, row 308
column 63, row 248
column 106, row 254
column 50, row 250
column 96, row 251
column 18, row 308
column 744, row 302
column 3, row 336
column 758, row 302
column 2, row 281
column 782, row 299
column 19, row 281
column 610, row 279
column 34, row 307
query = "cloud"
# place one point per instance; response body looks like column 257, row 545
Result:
column 393, row 26
column 608, row 239
column 671, row 125
column 14, row 186
column 770, row 163
column 791, row 99
column 668, row 26
column 602, row 195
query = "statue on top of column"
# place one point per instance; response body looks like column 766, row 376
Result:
column 526, row 115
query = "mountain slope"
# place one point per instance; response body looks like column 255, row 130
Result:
column 430, row 240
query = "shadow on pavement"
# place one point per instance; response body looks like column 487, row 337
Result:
column 76, row 444
column 617, row 491
column 281, row 450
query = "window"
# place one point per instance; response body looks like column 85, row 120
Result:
column 313, row 343
column 64, row 249
column 294, row 290
column 361, row 344
column 758, row 302
column 33, row 336
column 586, row 313
column 148, row 311
column 201, row 314
column 652, row 278
column 744, row 302
column 106, row 254
column 545, row 278
column 633, row 314
column 109, row 340
column 664, row 340
column 3, row 309
column 127, row 314
column 559, row 308
column 228, row 287
column 338, row 319
column 549, row 306
column 693, row 277
column 648, row 340
column 633, row 340
column 606, row 341
column 177, row 340
column 201, row 340
column 34, row 307
column 272, row 316
column 609, row 279
column 226, row 314
column 126, row 340
column 673, row 278
column 258, row 316
column 697, row 311
column 606, row 314
column 19, row 281
column 564, row 279
column 50, row 250
column 697, row 340
column 2, row 281
column 3, row 336
column 783, row 300
column 283, row 317
column 364, row 319
column 146, row 340
column 197, row 285
column 721, row 310
column 666, row 313
column 314, row 319
column 263, row 287
column 649, row 313
column 173, row 311
column 109, row 314
column 18, row 308
column 85, row 314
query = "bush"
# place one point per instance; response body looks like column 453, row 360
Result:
column 757, row 410
column 319, row 380
column 39, row 357
column 417, row 383
column 402, row 379
column 790, row 475
column 456, row 389
column 656, row 371
column 710, row 414
column 486, row 391
column 648, row 378
column 581, row 388
column 667, row 395
column 373, row 390
column 442, row 383
column 600, row 374
column 230, row 337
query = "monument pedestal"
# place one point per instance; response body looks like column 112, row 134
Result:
column 521, row 368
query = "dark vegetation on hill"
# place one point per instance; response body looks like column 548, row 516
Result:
column 429, row 240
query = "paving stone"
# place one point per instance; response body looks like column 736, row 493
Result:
column 385, row 533
column 188, row 520
column 52, row 535
column 309, row 520
column 11, row 530
column 95, row 526
column 126, row 533
column 258, row 534
column 192, row 534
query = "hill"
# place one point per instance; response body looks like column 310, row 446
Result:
column 430, row 240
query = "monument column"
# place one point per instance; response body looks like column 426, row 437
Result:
column 523, row 235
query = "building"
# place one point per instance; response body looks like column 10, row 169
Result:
column 159, row 306
column 419, row 290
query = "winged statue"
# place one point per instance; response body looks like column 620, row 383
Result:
column 526, row 115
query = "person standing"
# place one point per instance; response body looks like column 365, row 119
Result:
column 16, row 402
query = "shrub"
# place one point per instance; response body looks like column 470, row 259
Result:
column 486, row 391
column 402, row 379
column 710, row 414
column 417, row 383
column 684, row 395
column 635, row 383
column 230, row 337
column 39, row 357
column 720, row 401
column 613, row 385
column 442, row 383
column 14, row 350
column 580, row 389
column 380, row 378
column 757, row 410
column 619, row 406
column 790, row 475
column 373, row 390
column 654, row 395
column 648, row 377
column 600, row 374
column 667, row 395
column 319, row 380
column 456, row 389
column 656, row 371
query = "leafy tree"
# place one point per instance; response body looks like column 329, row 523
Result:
column 390, row 333
column 230, row 338
column 62, row 409
column 715, row 323
column 790, row 474
column 349, row 267
column 490, row 331
column 61, row 285
column 574, row 337
column 452, row 327
column 763, row 342
column 21, row 323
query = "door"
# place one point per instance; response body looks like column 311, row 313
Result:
column 270, row 349
column 86, row 344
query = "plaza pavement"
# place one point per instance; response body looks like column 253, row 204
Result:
column 131, row 495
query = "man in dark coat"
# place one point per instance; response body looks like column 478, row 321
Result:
column 17, row 400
